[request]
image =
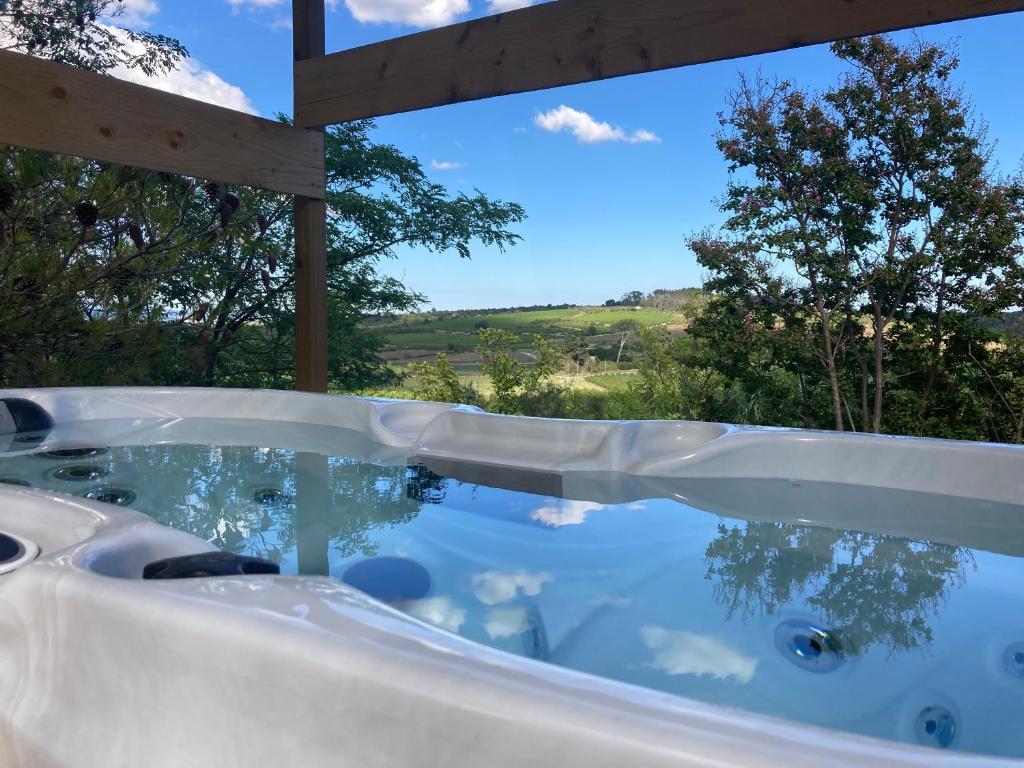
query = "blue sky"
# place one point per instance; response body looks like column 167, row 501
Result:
column 606, row 216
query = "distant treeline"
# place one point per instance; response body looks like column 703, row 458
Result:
column 445, row 314
column 661, row 298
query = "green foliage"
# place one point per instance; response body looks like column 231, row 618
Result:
column 866, row 239
column 515, row 383
column 85, row 34
column 440, row 383
column 114, row 275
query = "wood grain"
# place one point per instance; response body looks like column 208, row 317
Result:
column 310, row 233
column 575, row 41
column 56, row 108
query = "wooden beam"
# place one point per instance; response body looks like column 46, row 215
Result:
column 310, row 231
column 575, row 41
column 56, row 108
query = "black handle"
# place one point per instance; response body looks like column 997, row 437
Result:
column 209, row 564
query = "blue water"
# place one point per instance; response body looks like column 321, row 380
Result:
column 727, row 591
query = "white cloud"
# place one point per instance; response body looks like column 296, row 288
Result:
column 505, row 622
column 500, row 6
column 416, row 13
column 446, row 165
column 494, row 587
column 137, row 13
column 686, row 653
column 588, row 130
column 440, row 611
column 558, row 512
column 643, row 136
column 193, row 80
column 190, row 79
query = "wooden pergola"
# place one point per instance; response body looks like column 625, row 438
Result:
column 48, row 106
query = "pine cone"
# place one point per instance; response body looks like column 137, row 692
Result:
column 87, row 214
column 135, row 233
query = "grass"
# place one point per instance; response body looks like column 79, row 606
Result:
column 612, row 382
column 434, row 341
column 460, row 333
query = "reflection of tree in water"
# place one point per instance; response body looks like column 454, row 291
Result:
column 424, row 486
column 331, row 503
column 871, row 588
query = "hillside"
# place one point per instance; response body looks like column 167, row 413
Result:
column 410, row 336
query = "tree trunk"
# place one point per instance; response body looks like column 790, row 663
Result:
column 879, row 361
column 209, row 377
column 829, row 358
column 936, row 352
column 865, row 423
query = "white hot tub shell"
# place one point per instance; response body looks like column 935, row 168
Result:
column 101, row 668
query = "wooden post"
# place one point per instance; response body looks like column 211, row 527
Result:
column 310, row 233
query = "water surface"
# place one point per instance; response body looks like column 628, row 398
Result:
column 728, row 591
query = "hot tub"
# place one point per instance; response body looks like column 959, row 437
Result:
column 463, row 589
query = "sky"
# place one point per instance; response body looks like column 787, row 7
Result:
column 613, row 175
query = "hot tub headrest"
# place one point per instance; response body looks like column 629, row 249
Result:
column 18, row 415
column 23, row 424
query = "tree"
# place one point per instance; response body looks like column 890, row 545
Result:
column 240, row 288
column 114, row 275
column 511, row 380
column 85, row 34
column 857, row 213
column 438, row 382
column 577, row 349
column 632, row 299
column 627, row 330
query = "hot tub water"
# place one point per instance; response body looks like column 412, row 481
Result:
column 720, row 590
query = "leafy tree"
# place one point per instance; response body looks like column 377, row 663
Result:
column 85, row 34
column 857, row 213
column 577, row 349
column 632, row 299
column 239, row 293
column 113, row 275
column 511, row 380
column 439, row 382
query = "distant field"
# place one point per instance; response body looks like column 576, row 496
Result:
column 459, row 334
column 434, row 341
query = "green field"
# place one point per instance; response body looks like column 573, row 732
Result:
column 613, row 382
column 459, row 333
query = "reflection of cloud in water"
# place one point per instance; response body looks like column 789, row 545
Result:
column 686, row 653
column 440, row 611
column 505, row 622
column 558, row 512
column 493, row 587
